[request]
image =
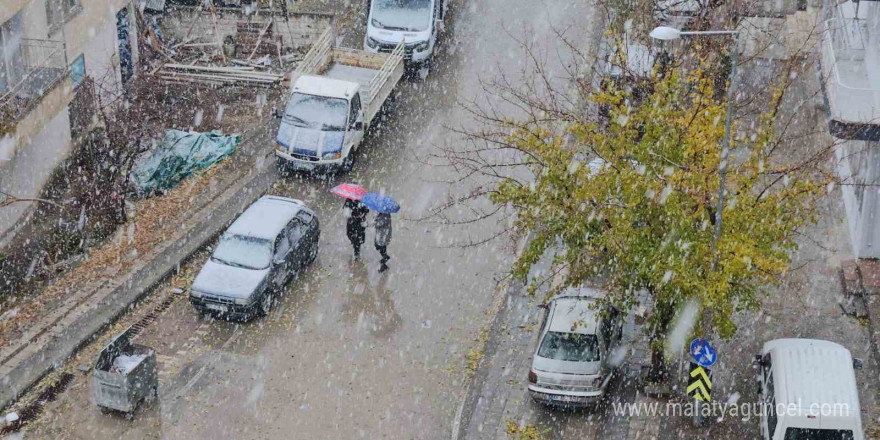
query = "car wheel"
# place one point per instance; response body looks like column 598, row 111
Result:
column 281, row 164
column 313, row 252
column 423, row 71
column 266, row 304
column 348, row 162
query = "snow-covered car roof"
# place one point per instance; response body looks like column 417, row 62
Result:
column 323, row 86
column 266, row 217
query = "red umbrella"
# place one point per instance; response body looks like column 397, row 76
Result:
column 349, row 191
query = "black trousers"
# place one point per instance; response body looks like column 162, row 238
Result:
column 383, row 251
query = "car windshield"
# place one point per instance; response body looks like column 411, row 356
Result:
column 401, row 15
column 573, row 347
column 817, row 434
column 316, row 112
column 245, row 252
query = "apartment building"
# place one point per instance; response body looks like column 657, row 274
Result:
column 46, row 49
column 850, row 68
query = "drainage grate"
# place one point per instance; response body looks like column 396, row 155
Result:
column 32, row 411
column 139, row 326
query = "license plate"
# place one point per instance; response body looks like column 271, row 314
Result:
column 217, row 308
column 303, row 165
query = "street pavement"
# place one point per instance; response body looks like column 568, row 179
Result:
column 348, row 352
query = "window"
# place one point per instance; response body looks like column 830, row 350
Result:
column 355, row 109
column 316, row 112
column 78, row 70
column 296, row 231
column 817, row 434
column 282, row 247
column 574, row 347
column 11, row 61
column 305, row 216
column 244, row 252
column 59, row 12
column 770, row 400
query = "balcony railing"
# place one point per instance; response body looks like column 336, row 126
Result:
column 41, row 67
column 851, row 66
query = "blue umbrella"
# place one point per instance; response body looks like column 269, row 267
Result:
column 379, row 203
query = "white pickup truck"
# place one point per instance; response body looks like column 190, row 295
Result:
column 335, row 95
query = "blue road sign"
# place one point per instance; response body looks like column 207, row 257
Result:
column 703, row 352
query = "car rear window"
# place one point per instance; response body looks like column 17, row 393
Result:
column 817, row 434
column 573, row 347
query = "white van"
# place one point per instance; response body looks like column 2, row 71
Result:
column 808, row 388
column 415, row 22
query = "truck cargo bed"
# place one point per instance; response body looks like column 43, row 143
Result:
column 377, row 73
column 360, row 75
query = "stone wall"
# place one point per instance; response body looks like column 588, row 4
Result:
column 297, row 29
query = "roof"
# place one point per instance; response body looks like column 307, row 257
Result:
column 573, row 315
column 812, row 372
column 323, row 86
column 266, row 217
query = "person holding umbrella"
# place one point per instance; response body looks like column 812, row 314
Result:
column 355, row 213
column 384, row 206
column 383, row 238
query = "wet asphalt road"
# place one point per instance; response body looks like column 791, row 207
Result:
column 348, row 352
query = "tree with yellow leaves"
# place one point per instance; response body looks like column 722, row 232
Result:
column 629, row 201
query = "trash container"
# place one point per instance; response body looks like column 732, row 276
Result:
column 125, row 374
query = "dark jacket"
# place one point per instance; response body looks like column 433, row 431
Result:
column 357, row 214
column 383, row 229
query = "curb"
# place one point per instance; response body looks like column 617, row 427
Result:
column 75, row 330
column 472, row 392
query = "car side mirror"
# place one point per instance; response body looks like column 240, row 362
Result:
column 757, row 362
column 857, row 364
column 277, row 261
column 543, row 306
column 358, row 126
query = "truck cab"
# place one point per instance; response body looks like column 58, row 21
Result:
column 335, row 95
column 416, row 23
column 322, row 124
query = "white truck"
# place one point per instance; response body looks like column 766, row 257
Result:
column 336, row 94
column 416, row 23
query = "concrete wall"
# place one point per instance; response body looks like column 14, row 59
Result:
column 300, row 30
column 27, row 172
column 862, row 203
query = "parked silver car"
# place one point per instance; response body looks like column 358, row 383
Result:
column 256, row 256
column 571, row 363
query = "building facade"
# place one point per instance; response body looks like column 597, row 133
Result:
column 850, row 69
column 47, row 47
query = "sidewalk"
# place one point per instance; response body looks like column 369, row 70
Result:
column 125, row 268
column 861, row 282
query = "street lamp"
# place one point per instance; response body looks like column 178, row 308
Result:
column 666, row 33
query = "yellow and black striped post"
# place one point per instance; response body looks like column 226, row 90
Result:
column 700, row 383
